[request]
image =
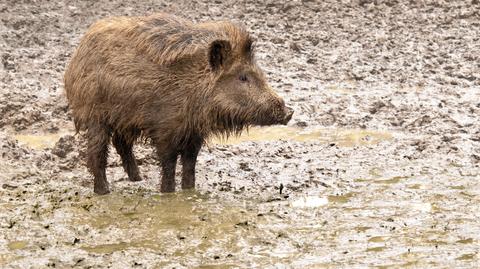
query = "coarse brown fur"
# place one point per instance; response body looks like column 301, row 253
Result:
column 169, row 80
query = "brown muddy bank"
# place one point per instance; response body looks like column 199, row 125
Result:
column 378, row 168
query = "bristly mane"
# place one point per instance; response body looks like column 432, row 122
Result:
column 167, row 39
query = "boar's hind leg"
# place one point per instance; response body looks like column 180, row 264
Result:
column 98, row 137
column 189, row 159
column 124, row 144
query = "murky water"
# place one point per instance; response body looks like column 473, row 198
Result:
column 160, row 222
column 319, row 230
column 39, row 141
column 307, row 231
column 341, row 137
column 191, row 227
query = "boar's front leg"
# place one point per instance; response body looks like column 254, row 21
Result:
column 189, row 159
column 168, row 161
column 98, row 136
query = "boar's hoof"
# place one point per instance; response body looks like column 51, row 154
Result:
column 137, row 178
column 101, row 190
column 167, row 189
column 188, row 186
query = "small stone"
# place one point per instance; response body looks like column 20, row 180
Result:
column 295, row 47
column 301, row 124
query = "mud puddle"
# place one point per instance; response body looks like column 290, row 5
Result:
column 374, row 221
column 38, row 141
column 341, row 137
column 190, row 228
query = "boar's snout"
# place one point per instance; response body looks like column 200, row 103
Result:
column 282, row 113
column 288, row 115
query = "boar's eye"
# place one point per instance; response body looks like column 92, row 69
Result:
column 243, row 78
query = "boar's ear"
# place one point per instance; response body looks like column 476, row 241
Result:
column 249, row 48
column 218, row 53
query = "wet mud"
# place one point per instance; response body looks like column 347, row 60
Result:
column 379, row 167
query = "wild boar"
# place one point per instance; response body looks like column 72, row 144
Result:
column 170, row 81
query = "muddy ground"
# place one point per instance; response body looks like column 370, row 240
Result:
column 378, row 168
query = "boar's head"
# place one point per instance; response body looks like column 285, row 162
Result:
column 242, row 96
